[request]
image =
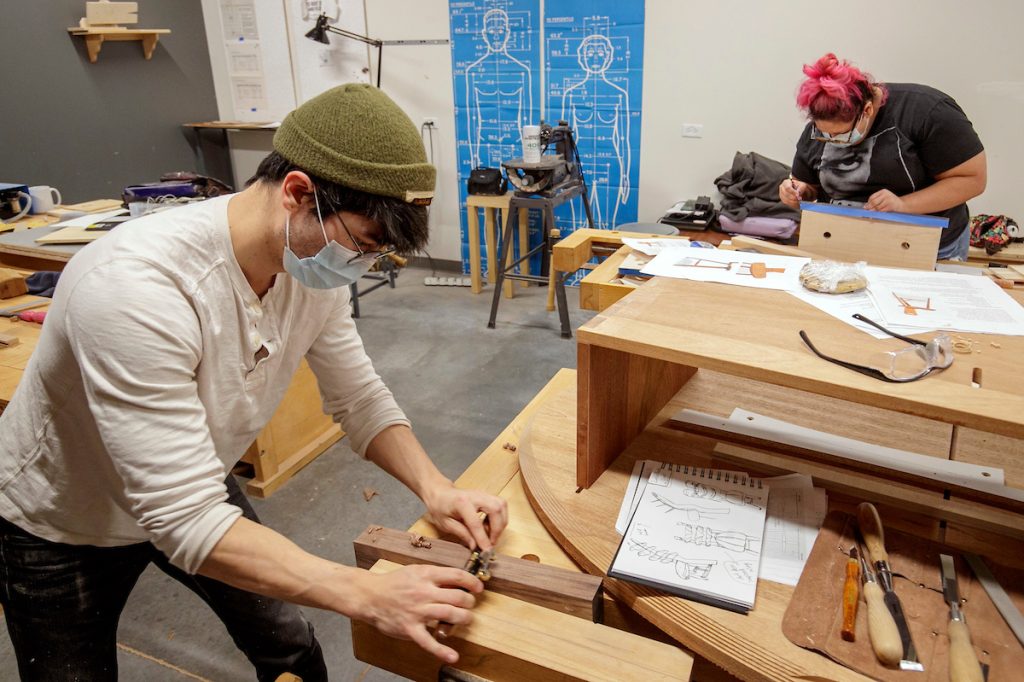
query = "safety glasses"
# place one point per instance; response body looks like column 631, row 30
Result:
column 839, row 138
column 918, row 360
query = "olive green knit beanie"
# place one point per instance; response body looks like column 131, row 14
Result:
column 356, row 136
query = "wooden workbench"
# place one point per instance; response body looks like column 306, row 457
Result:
column 675, row 344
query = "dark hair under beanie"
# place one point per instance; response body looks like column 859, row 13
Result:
column 356, row 136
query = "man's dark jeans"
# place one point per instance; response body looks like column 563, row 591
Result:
column 62, row 603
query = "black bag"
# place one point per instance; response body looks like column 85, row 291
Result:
column 486, row 181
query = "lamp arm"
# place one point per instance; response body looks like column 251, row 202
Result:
column 354, row 36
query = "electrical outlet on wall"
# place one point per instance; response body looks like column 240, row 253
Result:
column 693, row 130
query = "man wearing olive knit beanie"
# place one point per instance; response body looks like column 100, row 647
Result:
column 167, row 348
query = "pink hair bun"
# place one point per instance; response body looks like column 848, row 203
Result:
column 834, row 90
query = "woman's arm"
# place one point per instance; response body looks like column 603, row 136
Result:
column 951, row 188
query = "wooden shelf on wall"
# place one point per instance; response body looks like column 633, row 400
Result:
column 95, row 36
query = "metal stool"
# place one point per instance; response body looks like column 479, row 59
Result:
column 546, row 205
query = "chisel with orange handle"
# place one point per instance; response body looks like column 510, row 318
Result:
column 851, row 595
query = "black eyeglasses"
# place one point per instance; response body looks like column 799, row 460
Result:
column 365, row 256
column 905, row 365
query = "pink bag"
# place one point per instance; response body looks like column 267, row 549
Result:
column 758, row 226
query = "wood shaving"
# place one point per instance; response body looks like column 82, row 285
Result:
column 509, row 446
column 419, row 541
column 995, row 345
column 368, row 493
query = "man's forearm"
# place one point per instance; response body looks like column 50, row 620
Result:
column 397, row 451
column 257, row 559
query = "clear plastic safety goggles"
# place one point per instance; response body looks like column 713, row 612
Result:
column 914, row 362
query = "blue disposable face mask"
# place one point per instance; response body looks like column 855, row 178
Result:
column 333, row 266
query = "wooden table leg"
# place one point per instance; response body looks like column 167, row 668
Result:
column 492, row 245
column 473, row 224
column 617, row 396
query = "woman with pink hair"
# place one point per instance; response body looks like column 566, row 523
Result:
column 896, row 147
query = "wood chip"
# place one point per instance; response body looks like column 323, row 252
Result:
column 419, row 541
column 995, row 345
column 509, row 446
column 368, row 493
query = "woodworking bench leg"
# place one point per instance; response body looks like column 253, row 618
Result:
column 618, row 395
column 524, row 244
column 473, row 225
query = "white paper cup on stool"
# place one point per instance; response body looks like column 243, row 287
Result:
column 44, row 198
column 531, row 144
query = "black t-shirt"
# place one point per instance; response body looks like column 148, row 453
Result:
column 918, row 133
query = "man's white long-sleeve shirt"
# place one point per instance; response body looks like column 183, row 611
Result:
column 157, row 367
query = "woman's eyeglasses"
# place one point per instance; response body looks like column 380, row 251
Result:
column 919, row 360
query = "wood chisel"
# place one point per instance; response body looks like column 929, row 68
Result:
column 963, row 663
column 885, row 636
column 851, row 589
column 874, row 539
column 998, row 595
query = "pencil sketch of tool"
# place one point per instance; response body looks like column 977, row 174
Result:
column 757, row 270
column 701, row 491
column 693, row 512
column 910, row 305
column 741, row 571
column 695, row 262
column 726, row 539
column 685, row 568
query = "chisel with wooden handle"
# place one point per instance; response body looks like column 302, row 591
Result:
column 851, row 588
column 963, row 662
column 874, row 539
column 885, row 637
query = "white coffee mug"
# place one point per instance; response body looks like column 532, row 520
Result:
column 44, row 198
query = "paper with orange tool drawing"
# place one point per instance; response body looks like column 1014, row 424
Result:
column 728, row 267
column 944, row 300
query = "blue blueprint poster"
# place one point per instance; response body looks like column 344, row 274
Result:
column 593, row 79
column 585, row 67
column 496, row 62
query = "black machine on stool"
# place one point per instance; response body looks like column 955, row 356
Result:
column 554, row 180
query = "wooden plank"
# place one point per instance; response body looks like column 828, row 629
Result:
column 683, row 322
column 71, row 235
column 742, row 241
column 878, row 242
column 514, row 640
column 105, row 12
column 619, row 394
column 574, row 593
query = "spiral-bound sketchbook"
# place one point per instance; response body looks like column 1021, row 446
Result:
column 696, row 533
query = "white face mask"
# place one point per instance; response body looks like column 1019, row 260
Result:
column 333, row 266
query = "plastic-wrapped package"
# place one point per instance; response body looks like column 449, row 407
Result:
column 832, row 277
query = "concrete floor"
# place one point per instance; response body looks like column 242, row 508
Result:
column 460, row 384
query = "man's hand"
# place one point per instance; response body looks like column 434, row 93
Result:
column 405, row 602
column 884, row 200
column 457, row 512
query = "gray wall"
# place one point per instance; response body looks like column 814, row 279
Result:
column 91, row 129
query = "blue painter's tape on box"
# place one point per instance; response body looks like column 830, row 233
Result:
column 850, row 212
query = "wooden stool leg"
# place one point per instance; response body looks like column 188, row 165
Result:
column 473, row 224
column 492, row 245
column 524, row 244
column 554, row 235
